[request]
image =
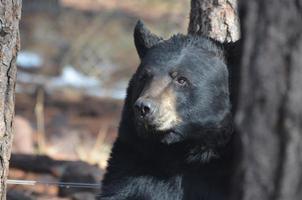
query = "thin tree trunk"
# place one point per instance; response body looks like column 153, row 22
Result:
column 269, row 115
column 10, row 14
column 216, row 19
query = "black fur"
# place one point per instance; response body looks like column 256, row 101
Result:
column 193, row 159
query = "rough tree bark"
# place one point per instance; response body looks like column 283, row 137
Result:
column 269, row 115
column 10, row 14
column 216, row 19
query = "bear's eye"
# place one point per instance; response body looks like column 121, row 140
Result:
column 181, row 80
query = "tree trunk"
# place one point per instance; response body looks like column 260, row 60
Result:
column 216, row 19
column 10, row 14
column 270, row 112
column 269, row 115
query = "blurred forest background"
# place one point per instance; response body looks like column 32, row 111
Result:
column 75, row 61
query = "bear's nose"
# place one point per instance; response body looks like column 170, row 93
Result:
column 145, row 107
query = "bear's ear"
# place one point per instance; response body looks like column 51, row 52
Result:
column 144, row 39
column 233, row 50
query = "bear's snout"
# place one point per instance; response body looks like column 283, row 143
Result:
column 145, row 109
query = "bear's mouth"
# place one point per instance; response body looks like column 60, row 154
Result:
column 147, row 126
column 161, row 121
column 152, row 128
column 166, row 137
column 158, row 126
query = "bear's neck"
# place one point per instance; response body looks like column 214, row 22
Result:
column 184, row 153
column 181, row 154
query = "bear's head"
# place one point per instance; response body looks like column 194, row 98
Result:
column 180, row 91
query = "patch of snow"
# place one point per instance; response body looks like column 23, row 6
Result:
column 73, row 78
column 27, row 59
column 112, row 93
column 118, row 94
column 30, row 78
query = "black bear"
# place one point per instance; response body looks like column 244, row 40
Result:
column 176, row 127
